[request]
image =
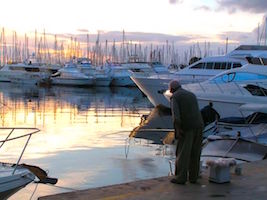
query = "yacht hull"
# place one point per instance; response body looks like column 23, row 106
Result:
column 229, row 106
column 103, row 82
column 72, row 82
column 153, row 88
column 26, row 78
column 123, row 82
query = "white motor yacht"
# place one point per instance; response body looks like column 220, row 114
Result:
column 121, row 73
column 70, row 75
column 154, row 85
column 232, row 89
column 24, row 73
column 101, row 75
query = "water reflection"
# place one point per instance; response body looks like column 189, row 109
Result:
column 83, row 134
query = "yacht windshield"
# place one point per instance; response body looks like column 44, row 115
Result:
column 256, row 90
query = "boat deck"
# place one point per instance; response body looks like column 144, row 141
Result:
column 252, row 184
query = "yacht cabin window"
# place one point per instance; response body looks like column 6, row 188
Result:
column 256, row 61
column 264, row 60
column 229, row 65
column 32, row 69
column 242, row 76
column 198, row 66
column 236, row 65
column 223, row 65
column 217, row 66
column 239, row 76
column 209, row 65
column 256, row 90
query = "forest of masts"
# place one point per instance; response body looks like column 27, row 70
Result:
column 42, row 50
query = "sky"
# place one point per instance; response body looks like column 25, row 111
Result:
column 187, row 20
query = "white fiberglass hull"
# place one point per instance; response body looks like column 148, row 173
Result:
column 225, row 109
column 153, row 88
column 105, row 81
column 73, row 82
column 9, row 184
column 226, row 100
column 22, row 77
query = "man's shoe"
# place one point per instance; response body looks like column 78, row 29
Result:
column 175, row 181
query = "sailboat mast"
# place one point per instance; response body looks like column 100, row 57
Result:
column 265, row 31
column 87, row 46
column 226, row 45
column 123, row 40
column 35, row 42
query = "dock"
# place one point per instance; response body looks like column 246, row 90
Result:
column 251, row 184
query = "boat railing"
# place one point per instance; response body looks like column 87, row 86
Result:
column 28, row 135
column 261, row 89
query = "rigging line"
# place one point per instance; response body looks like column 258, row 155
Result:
column 34, row 191
column 117, row 132
column 65, row 188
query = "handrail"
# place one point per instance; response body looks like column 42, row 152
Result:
column 14, row 138
column 236, row 84
column 6, row 138
column 219, row 87
column 19, row 136
column 238, row 88
column 261, row 89
column 21, row 154
column 201, row 87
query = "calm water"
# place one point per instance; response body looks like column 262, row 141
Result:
column 83, row 136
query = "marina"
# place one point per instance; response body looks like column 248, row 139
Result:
column 133, row 99
column 97, row 135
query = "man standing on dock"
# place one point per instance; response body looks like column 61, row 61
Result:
column 188, row 125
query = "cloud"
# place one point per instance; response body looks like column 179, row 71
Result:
column 175, row 1
column 237, row 36
column 141, row 37
column 255, row 6
column 204, row 8
column 83, row 30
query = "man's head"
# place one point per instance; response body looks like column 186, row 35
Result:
column 210, row 104
column 174, row 85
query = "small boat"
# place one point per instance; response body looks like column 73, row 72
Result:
column 13, row 177
column 101, row 75
column 121, row 72
column 70, row 75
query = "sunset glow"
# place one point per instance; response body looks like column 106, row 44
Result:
column 201, row 17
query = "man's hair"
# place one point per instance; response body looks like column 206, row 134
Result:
column 210, row 104
column 174, row 85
